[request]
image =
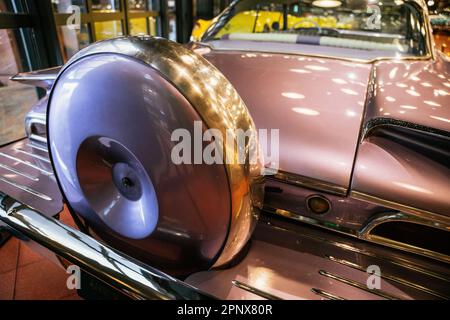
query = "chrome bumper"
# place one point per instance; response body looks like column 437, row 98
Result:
column 122, row 272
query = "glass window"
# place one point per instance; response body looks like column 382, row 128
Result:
column 172, row 27
column 105, row 5
column 172, row 20
column 153, row 5
column 72, row 40
column 153, row 24
column 68, row 6
column 137, row 5
column 108, row 29
column 388, row 28
column 15, row 99
column 138, row 26
column 12, row 6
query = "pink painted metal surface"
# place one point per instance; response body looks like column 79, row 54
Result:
column 317, row 104
column 289, row 261
column 284, row 273
column 417, row 92
column 390, row 171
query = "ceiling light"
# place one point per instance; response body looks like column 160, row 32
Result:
column 327, row 3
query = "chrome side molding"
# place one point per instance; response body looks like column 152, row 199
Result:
column 307, row 182
column 358, row 285
column 43, row 78
column 26, row 189
column 326, row 295
column 364, row 233
column 124, row 273
column 255, row 291
column 25, row 162
column 391, row 278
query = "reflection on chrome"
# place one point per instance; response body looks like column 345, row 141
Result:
column 26, row 189
column 124, row 273
column 25, row 162
column 254, row 290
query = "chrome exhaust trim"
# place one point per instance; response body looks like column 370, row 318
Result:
column 124, row 273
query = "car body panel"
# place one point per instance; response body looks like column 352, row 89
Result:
column 417, row 92
column 296, row 262
column 319, row 124
column 388, row 170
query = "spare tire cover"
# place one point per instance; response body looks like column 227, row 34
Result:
column 111, row 114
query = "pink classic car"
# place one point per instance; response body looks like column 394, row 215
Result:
column 343, row 193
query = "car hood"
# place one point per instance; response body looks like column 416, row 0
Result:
column 317, row 104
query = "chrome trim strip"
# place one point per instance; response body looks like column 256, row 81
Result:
column 37, row 138
column 33, row 155
column 358, row 285
column 254, row 290
column 124, row 273
column 42, row 78
column 380, row 121
column 326, row 294
column 23, row 174
column 409, row 248
column 25, row 163
column 390, row 278
column 37, row 147
column 364, row 232
column 307, row 182
column 369, row 61
column 372, row 34
column 399, row 216
column 402, row 262
column 420, row 213
column 30, row 120
column 398, row 261
column 29, row 77
column 26, row 189
column 311, row 221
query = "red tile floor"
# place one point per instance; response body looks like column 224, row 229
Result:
column 25, row 275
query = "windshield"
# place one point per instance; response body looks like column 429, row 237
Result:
column 387, row 28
